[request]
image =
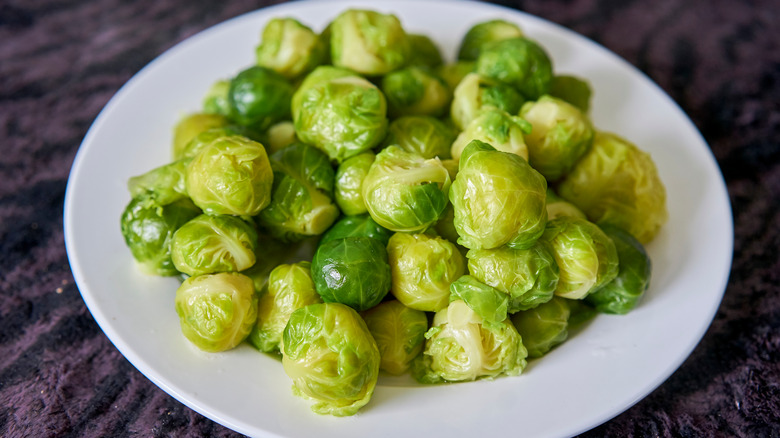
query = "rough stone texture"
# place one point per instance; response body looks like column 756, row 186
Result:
column 61, row 61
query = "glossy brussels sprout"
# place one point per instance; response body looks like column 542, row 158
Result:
column 498, row 199
column 259, row 97
column 216, row 99
column 162, row 185
column 399, row 333
column 357, row 226
column 348, row 187
column 496, row 128
column 423, row 268
column 405, row 192
column 475, row 93
column 616, row 183
column 528, row 276
column 232, row 175
column 519, row 62
column 488, row 303
column 302, row 195
column 484, row 33
column 331, row 358
column 543, row 327
column 368, row 42
column 425, row 136
column 454, row 73
column 205, row 138
column 557, row 207
column 560, row 136
column 416, row 91
column 424, row 52
column 586, row 256
column 148, row 228
column 343, row 116
column 460, row 347
column 290, row 48
column 279, row 136
column 352, row 271
column 622, row 294
column 190, row 126
column 208, row 244
column 216, row 311
column 290, row 287
column 572, row 89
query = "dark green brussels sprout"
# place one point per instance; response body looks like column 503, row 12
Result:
column 216, row 99
column 484, row 33
column 543, row 327
column 424, row 52
column 416, row 91
column 460, row 347
column 475, row 93
column 290, row 287
column 528, row 276
column 586, row 256
column 148, row 229
column 423, row 268
column 498, row 199
column 519, row 62
column 331, row 358
column 357, row 226
column 190, row 126
column 496, row 128
column 216, row 311
column 205, row 138
column 279, row 136
column 232, row 175
column 572, row 89
column 301, row 198
column 560, row 136
column 290, row 48
column 352, row 271
column 622, row 294
column 368, row 42
column 405, row 192
column 557, row 207
column 616, row 183
column 454, row 72
column 208, row 244
column 399, row 333
column 349, row 183
column 259, row 97
column 425, row 136
column 488, row 303
column 162, row 185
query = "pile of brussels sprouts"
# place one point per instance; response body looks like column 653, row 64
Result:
column 460, row 217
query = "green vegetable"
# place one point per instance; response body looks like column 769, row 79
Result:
column 543, row 327
column 572, row 89
column 349, row 183
column 425, row 136
column 557, row 206
column 190, row 126
column 496, row 128
column 475, row 93
column 488, row 303
column 208, row 136
column 519, row 62
column 453, row 73
column 162, row 185
column 357, row 226
column 424, row 52
column 290, row 48
column 399, row 333
column 216, row 99
column 484, row 33
column 368, row 42
column 280, row 135
column 259, row 97
column 208, row 244
column 416, row 91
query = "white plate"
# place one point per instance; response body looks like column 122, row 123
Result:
column 597, row 374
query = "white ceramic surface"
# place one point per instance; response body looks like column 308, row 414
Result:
column 613, row 363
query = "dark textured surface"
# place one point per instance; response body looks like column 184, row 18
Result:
column 62, row 60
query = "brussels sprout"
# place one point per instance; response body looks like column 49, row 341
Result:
column 415, row 91
column 205, row 138
column 519, row 62
column 301, row 201
column 455, row 72
column 498, row 199
column 445, row 227
column 528, row 276
column 190, row 126
column 557, row 207
column 560, row 136
column 496, row 128
column 269, row 254
column 405, row 192
column 424, row 52
column 616, row 183
column 586, row 256
column 422, row 269
column 475, row 93
column 543, row 327
column 331, row 358
column 343, row 116
column 289, row 48
column 162, row 185
column 368, row 42
column 425, row 136
column 460, row 347
column 357, row 226
column 208, row 244
column 279, row 136
column 352, row 271
column 572, row 89
column 148, row 228
column 488, row 303
column 216, row 311
column 349, row 183
column 216, row 99
column 259, row 97
column 484, row 33
column 399, row 333
column 622, row 294
column 232, row 175
column 290, row 287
